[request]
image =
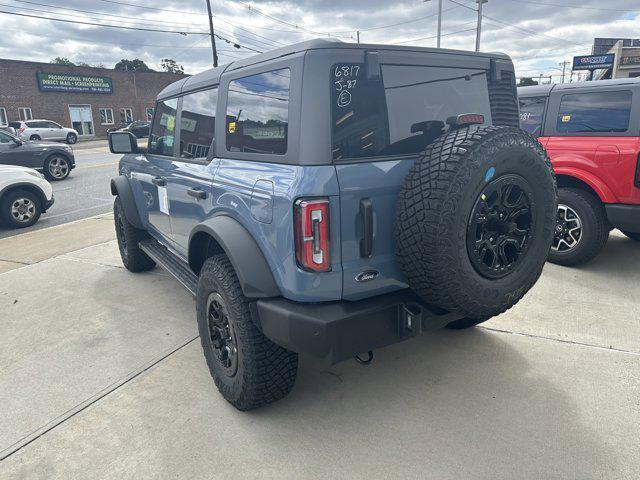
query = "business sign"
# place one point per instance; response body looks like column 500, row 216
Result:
column 593, row 62
column 64, row 82
column 635, row 60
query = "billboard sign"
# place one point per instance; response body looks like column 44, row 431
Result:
column 635, row 60
column 71, row 83
column 593, row 62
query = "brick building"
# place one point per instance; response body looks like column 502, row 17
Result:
column 89, row 99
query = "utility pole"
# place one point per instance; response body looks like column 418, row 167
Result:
column 479, row 30
column 358, row 35
column 439, row 21
column 213, row 36
column 564, row 67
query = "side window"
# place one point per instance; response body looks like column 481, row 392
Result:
column 258, row 113
column 404, row 111
column 163, row 130
column 197, row 126
column 531, row 113
column 594, row 112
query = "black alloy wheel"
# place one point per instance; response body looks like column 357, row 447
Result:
column 222, row 335
column 500, row 226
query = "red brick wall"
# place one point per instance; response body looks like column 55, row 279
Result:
column 19, row 88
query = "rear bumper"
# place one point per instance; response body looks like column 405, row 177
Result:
column 624, row 217
column 336, row 331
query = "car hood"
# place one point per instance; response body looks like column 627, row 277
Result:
column 37, row 146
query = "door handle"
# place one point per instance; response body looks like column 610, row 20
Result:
column 366, row 242
column 197, row 193
column 159, row 181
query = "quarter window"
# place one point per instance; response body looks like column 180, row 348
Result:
column 403, row 111
column 25, row 113
column 106, row 116
column 3, row 117
column 594, row 112
column 197, row 124
column 163, row 130
column 531, row 113
column 258, row 113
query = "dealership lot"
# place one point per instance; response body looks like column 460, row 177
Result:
column 103, row 376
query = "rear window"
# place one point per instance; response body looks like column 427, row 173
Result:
column 594, row 112
column 404, row 111
column 531, row 112
column 258, row 113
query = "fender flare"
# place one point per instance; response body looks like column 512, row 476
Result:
column 120, row 187
column 602, row 190
column 32, row 187
column 252, row 269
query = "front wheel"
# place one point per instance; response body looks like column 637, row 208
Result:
column 249, row 370
column 35, row 138
column 129, row 237
column 633, row 235
column 20, row 209
column 582, row 228
column 72, row 138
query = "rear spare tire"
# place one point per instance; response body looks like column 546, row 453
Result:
column 475, row 221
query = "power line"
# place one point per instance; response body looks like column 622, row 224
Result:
column 435, row 36
column 406, row 22
column 576, row 6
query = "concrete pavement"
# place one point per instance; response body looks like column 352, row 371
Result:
column 103, row 377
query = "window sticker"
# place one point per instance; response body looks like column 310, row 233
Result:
column 566, row 118
column 232, row 127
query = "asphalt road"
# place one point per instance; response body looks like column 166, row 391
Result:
column 83, row 194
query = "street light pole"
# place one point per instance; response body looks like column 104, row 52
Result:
column 213, row 37
column 439, row 21
column 479, row 29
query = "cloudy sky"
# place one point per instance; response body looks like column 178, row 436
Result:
column 538, row 34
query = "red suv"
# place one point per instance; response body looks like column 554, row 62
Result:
column 591, row 131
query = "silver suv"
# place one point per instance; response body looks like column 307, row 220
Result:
column 44, row 130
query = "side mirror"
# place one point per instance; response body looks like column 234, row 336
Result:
column 123, row 142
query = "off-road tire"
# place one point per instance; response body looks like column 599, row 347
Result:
column 595, row 227
column 265, row 372
column 6, row 202
column 434, row 210
column 129, row 237
column 633, row 235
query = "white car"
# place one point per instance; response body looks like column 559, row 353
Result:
column 24, row 196
column 44, row 130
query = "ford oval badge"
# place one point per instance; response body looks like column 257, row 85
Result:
column 367, row 275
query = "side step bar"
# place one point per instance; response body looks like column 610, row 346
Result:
column 171, row 263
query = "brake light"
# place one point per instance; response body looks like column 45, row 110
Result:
column 21, row 129
column 466, row 119
column 311, row 221
column 636, row 180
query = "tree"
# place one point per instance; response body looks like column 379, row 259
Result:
column 171, row 66
column 135, row 65
column 527, row 82
column 62, row 61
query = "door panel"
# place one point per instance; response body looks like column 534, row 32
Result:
column 383, row 182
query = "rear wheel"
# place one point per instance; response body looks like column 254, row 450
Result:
column 475, row 221
column 20, row 209
column 71, row 138
column 582, row 228
column 633, row 235
column 57, row 167
column 35, row 138
column 129, row 237
column 249, row 370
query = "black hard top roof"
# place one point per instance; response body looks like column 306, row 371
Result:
column 543, row 90
column 212, row 76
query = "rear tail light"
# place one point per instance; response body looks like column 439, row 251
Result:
column 21, row 129
column 311, row 220
column 636, row 180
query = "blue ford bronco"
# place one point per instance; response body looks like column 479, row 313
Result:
column 329, row 199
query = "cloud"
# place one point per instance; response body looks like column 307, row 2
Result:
column 538, row 34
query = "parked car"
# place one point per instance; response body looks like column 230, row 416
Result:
column 53, row 159
column 24, row 196
column 139, row 129
column 591, row 131
column 354, row 196
column 36, row 130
